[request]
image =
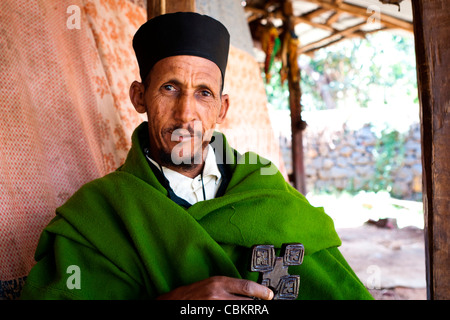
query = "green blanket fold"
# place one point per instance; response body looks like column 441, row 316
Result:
column 130, row 241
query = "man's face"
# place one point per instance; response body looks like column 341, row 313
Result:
column 183, row 102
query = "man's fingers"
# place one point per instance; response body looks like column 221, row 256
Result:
column 220, row 288
column 250, row 289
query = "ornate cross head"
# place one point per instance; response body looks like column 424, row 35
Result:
column 274, row 270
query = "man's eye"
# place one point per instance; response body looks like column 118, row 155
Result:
column 206, row 93
column 169, row 87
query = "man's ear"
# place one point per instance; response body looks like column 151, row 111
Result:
column 224, row 108
column 137, row 93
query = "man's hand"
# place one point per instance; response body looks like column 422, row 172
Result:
column 220, row 288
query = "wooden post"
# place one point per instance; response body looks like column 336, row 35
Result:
column 297, row 124
column 158, row 7
column 432, row 40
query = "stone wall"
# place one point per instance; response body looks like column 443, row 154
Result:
column 341, row 158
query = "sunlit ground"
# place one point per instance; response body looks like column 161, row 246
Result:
column 397, row 255
column 349, row 211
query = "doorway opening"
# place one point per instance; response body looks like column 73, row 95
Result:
column 362, row 154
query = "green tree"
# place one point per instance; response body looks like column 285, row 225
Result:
column 352, row 71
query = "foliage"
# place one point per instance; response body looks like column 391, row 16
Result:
column 277, row 94
column 353, row 72
column 389, row 155
column 373, row 72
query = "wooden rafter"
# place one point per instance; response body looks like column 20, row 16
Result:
column 333, row 18
column 360, row 34
column 332, row 38
column 385, row 19
column 338, row 7
column 313, row 24
column 315, row 13
column 335, row 8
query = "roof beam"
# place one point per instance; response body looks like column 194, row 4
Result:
column 386, row 20
column 302, row 19
column 315, row 13
column 333, row 18
column 326, row 40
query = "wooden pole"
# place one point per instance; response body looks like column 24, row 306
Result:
column 432, row 41
column 158, row 7
column 297, row 124
column 162, row 6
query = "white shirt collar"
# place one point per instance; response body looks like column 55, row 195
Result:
column 211, row 168
column 190, row 189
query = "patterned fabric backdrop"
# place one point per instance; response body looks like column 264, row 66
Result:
column 247, row 125
column 65, row 115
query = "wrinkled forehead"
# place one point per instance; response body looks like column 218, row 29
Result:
column 185, row 68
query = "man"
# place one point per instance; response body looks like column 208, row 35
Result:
column 179, row 218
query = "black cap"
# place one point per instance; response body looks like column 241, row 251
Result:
column 181, row 33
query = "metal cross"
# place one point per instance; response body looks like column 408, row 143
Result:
column 274, row 270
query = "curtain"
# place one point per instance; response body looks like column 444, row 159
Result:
column 248, row 126
column 65, row 115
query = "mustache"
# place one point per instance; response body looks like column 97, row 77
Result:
column 183, row 129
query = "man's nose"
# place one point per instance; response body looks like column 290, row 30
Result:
column 185, row 110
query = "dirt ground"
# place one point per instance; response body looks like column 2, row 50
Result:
column 390, row 262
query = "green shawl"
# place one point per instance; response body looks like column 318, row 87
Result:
column 128, row 240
